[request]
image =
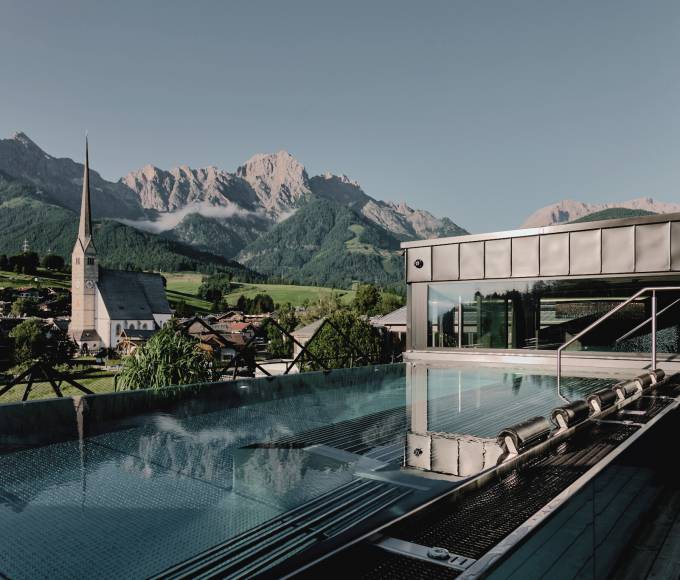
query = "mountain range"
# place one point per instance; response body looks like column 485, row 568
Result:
column 268, row 218
column 569, row 210
column 238, row 215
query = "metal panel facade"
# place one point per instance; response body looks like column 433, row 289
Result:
column 675, row 245
column 652, row 247
column 472, row 261
column 525, row 257
column 419, row 264
column 585, row 252
column 618, row 250
column 445, row 262
column 621, row 247
column 554, row 255
column 497, row 259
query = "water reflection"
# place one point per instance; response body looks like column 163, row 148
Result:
column 148, row 490
column 456, row 414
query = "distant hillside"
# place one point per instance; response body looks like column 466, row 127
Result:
column 50, row 227
column 328, row 244
column 60, row 179
column 613, row 213
column 211, row 235
column 569, row 210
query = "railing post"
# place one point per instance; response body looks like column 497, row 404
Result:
column 460, row 322
column 653, row 329
column 559, row 368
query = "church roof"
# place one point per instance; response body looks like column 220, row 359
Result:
column 87, row 335
column 85, row 227
column 132, row 295
column 137, row 334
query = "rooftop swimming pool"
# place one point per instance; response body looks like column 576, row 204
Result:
column 236, row 478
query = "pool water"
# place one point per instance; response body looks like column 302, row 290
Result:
column 126, row 485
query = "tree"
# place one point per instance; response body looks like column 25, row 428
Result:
column 366, row 299
column 168, row 358
column 389, row 303
column 260, row 304
column 326, row 305
column 214, row 287
column 53, row 262
column 280, row 346
column 182, row 309
column 26, row 263
column 4, row 262
column 35, row 341
column 24, row 307
column 348, row 341
column 29, row 341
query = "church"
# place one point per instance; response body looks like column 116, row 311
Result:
column 104, row 302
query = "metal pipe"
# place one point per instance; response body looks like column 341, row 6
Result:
column 460, row 322
column 653, row 329
column 653, row 289
column 639, row 326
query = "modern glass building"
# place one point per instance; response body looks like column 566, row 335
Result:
column 529, row 291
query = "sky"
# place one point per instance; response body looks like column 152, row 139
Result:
column 481, row 111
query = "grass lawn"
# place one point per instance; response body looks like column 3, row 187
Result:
column 282, row 293
column 184, row 286
column 45, row 278
column 97, row 381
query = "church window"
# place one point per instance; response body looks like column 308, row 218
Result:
column 144, row 326
column 90, row 261
column 77, row 260
column 118, row 329
column 132, row 327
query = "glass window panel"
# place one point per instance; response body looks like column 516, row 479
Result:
column 544, row 314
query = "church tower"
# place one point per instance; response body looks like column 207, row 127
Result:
column 84, row 273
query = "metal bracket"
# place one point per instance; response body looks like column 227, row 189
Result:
column 619, row 422
column 440, row 556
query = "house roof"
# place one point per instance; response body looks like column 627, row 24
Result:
column 233, row 326
column 132, row 295
column 395, row 318
column 228, row 315
column 308, row 330
column 188, row 325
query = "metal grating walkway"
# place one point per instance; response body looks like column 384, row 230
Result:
column 259, row 549
column 485, row 516
column 477, row 521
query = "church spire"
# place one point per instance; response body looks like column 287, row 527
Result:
column 85, row 229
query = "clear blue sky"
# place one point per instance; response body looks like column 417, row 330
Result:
column 482, row 111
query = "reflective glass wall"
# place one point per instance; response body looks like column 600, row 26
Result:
column 543, row 314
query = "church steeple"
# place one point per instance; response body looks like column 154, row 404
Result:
column 85, row 228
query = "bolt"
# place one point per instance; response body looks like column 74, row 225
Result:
column 438, row 553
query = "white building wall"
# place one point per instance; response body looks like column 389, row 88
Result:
column 115, row 337
column 162, row 319
column 102, row 321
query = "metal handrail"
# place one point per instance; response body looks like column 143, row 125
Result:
column 653, row 317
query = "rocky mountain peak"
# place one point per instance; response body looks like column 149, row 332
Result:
column 22, row 138
column 344, row 179
column 26, row 142
column 278, row 179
